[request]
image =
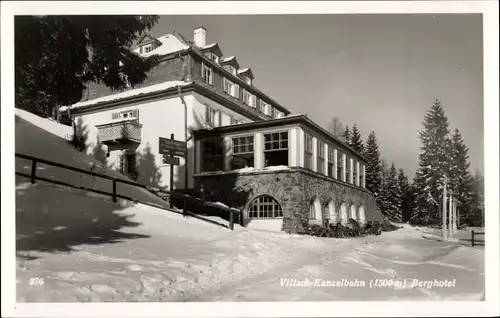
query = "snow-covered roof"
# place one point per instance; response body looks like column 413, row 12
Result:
column 208, row 46
column 129, row 93
column 170, row 44
column 227, row 59
column 243, row 70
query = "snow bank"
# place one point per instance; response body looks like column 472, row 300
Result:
column 47, row 124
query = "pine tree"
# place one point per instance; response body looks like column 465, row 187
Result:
column 390, row 201
column 373, row 166
column 406, row 193
column 57, row 56
column 476, row 214
column 433, row 166
column 356, row 141
column 347, row 135
column 461, row 179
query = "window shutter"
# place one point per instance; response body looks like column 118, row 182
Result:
column 220, row 118
column 114, row 116
column 207, row 114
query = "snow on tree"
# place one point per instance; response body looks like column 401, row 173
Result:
column 476, row 214
column 406, row 193
column 355, row 140
column 461, row 182
column 373, row 166
column 390, row 199
column 434, row 164
column 57, row 56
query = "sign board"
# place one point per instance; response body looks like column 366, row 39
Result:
column 171, row 160
column 172, row 147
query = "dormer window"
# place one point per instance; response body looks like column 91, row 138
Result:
column 265, row 108
column 231, row 69
column 215, row 58
column 248, row 80
column 147, row 48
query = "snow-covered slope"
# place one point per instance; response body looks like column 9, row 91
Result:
column 74, row 246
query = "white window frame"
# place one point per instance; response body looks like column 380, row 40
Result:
column 231, row 88
column 207, row 74
column 215, row 58
column 146, row 47
column 214, row 116
column 273, row 208
column 248, row 80
column 308, row 153
column 320, row 157
column 233, row 69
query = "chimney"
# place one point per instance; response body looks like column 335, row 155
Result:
column 200, row 36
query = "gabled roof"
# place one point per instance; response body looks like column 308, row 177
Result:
column 214, row 48
column 168, row 44
column 146, row 38
column 246, row 71
column 230, row 60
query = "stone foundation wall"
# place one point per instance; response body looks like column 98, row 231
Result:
column 294, row 189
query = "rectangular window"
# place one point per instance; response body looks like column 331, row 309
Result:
column 340, row 165
column 243, row 152
column 232, row 69
column 213, row 159
column 206, row 74
column 148, row 48
column 276, row 149
column 308, row 152
column 249, row 99
column 320, row 162
column 212, row 116
column 355, row 172
column 231, row 89
column 331, row 163
column 265, row 108
column 248, row 80
column 127, row 114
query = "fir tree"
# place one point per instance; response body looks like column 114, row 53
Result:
column 355, row 140
column 57, row 56
column 406, row 193
column 461, row 182
column 433, row 166
column 476, row 214
column 390, row 200
column 373, row 166
column 347, row 135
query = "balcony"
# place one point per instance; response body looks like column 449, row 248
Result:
column 123, row 132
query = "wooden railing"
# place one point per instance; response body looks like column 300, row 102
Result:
column 233, row 213
column 475, row 241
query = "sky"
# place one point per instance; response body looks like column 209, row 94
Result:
column 380, row 72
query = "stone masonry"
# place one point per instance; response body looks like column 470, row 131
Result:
column 294, row 189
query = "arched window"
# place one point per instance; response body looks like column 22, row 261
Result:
column 264, row 207
column 361, row 215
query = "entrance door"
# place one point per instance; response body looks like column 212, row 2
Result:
column 129, row 165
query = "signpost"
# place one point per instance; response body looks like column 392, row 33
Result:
column 172, row 149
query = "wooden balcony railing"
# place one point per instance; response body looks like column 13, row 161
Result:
column 127, row 131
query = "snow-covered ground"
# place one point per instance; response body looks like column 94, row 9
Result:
column 86, row 248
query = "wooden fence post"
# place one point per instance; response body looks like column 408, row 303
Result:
column 231, row 219
column 184, row 208
column 241, row 218
column 33, row 171
column 472, row 237
column 114, row 190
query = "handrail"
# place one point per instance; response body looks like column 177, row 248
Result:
column 32, row 176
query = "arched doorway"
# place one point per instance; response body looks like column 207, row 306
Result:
column 343, row 213
column 331, row 212
column 353, row 212
column 361, row 215
column 315, row 215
